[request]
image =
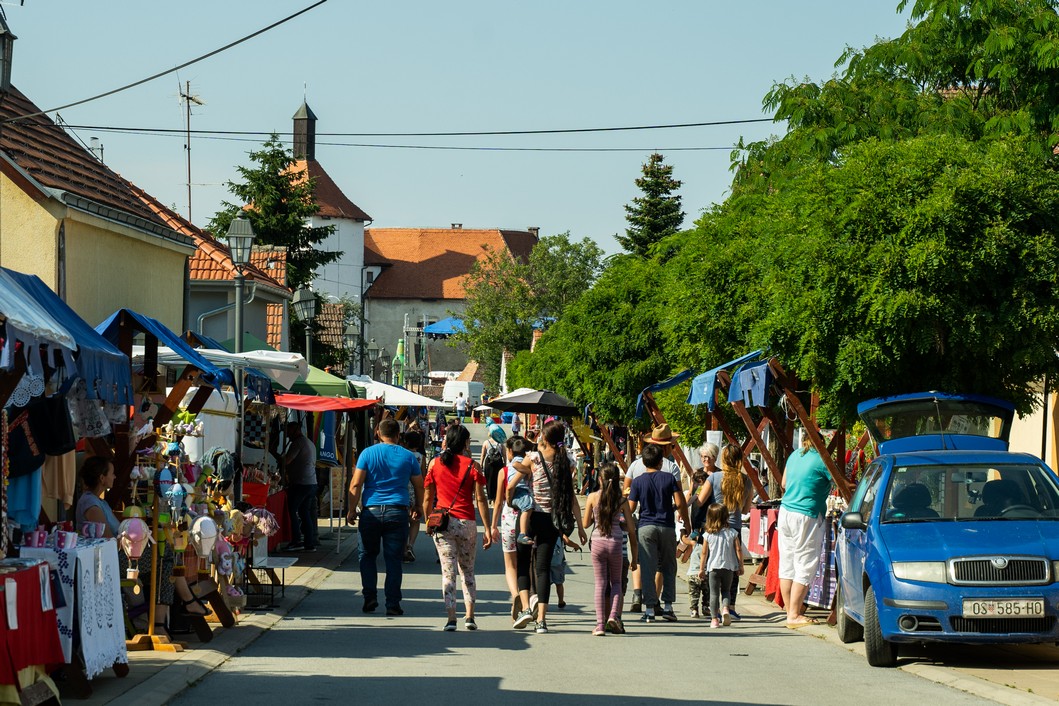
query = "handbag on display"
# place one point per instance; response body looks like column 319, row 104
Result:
column 438, row 519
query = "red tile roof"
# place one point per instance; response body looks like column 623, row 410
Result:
column 331, row 201
column 432, row 263
column 51, row 157
column 212, row 259
column 272, row 261
column 331, row 323
column 274, row 325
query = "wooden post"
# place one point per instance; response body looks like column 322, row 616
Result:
column 659, row 418
column 605, row 433
column 150, row 641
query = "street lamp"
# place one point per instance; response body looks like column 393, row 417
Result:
column 350, row 337
column 373, row 355
column 384, row 358
column 305, row 309
column 7, row 45
column 240, row 241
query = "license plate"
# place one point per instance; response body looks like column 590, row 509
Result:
column 1005, row 608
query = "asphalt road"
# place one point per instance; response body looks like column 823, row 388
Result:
column 328, row 650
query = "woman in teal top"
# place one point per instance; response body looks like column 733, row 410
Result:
column 97, row 475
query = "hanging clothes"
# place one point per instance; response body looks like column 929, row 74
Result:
column 59, row 478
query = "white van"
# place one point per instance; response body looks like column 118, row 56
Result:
column 472, row 391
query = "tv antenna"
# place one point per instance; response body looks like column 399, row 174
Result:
column 188, row 98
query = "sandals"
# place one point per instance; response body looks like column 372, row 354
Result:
column 799, row 625
column 615, row 626
column 599, row 631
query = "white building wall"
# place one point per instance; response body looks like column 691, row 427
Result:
column 341, row 278
column 387, row 316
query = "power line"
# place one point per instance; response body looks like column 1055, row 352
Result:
column 446, row 147
column 169, row 71
column 480, row 133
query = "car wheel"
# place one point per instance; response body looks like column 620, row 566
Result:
column 880, row 652
column 849, row 630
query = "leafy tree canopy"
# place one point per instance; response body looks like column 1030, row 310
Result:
column 280, row 204
column 656, row 214
column 506, row 298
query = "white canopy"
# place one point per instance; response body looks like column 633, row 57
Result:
column 392, row 396
column 284, row 368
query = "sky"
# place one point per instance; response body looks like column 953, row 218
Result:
column 413, row 66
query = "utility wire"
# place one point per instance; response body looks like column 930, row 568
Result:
column 483, row 133
column 169, row 71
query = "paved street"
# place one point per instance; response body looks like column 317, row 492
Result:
column 328, row 650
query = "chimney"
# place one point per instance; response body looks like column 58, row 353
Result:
column 305, row 133
column 457, row 226
column 535, row 231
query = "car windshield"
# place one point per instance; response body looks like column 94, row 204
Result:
column 971, row 492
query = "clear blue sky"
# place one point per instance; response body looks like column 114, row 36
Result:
column 424, row 66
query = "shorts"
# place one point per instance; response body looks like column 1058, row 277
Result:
column 508, row 530
column 522, row 501
column 801, row 538
column 558, row 567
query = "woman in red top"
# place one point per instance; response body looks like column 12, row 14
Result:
column 454, row 481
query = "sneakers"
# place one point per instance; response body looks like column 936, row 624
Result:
column 735, row 616
column 524, row 618
column 469, row 624
column 668, row 616
column 694, row 613
column 370, row 605
column 599, row 631
column 715, row 623
column 647, row 618
column 409, row 555
column 615, row 627
column 541, row 628
column 295, row 547
column 394, row 610
column 450, row 626
column 637, row 602
column 524, row 538
column 516, row 607
column 726, row 617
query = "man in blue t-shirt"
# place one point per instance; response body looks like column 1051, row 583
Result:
column 380, row 484
column 659, row 497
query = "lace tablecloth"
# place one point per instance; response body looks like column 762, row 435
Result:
column 91, row 584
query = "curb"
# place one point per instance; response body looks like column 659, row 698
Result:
column 975, row 686
column 174, row 678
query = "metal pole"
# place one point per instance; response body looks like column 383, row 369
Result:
column 239, row 281
column 308, row 343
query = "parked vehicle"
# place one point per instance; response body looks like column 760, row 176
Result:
column 472, row 391
column 949, row 537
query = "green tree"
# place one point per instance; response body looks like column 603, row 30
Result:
column 657, row 213
column 279, row 203
column 507, row 298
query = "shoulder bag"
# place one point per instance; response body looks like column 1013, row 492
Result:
column 438, row 519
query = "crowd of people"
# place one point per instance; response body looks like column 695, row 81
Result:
column 642, row 522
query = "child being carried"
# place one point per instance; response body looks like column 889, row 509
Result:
column 519, row 495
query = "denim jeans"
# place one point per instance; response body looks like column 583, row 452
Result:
column 302, row 518
column 386, row 525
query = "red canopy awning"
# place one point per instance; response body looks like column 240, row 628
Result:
column 313, row 403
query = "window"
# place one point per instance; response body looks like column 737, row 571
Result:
column 871, row 491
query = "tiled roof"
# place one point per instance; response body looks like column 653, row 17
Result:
column 331, row 201
column 329, row 318
column 272, row 261
column 274, row 325
column 212, row 260
column 472, row 372
column 432, row 263
column 45, row 152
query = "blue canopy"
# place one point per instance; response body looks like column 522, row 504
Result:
column 664, row 385
column 211, row 374
column 704, row 387
column 104, row 368
column 445, row 327
column 258, row 385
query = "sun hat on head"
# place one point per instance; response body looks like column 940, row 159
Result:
column 662, row 435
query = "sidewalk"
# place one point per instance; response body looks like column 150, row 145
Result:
column 156, row 677
column 1016, row 674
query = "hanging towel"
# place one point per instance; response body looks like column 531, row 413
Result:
column 59, row 477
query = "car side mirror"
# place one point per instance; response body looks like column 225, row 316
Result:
column 854, row 521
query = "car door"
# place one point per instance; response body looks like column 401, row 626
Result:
column 853, row 546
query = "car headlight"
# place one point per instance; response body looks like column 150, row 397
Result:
column 929, row 571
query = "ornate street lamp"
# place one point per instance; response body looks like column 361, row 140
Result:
column 350, row 337
column 384, row 357
column 304, row 305
column 240, row 241
column 373, row 355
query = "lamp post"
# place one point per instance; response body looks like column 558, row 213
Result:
column 240, row 241
column 373, row 355
column 305, row 309
column 350, row 337
column 384, row 358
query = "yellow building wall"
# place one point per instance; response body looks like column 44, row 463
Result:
column 1036, row 433
column 28, row 233
column 107, row 271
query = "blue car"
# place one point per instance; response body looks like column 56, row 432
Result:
column 949, row 537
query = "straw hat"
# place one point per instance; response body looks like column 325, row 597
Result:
column 662, row 435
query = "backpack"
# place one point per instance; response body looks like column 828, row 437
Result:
column 494, row 460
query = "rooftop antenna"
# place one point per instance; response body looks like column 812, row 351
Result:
column 188, row 98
